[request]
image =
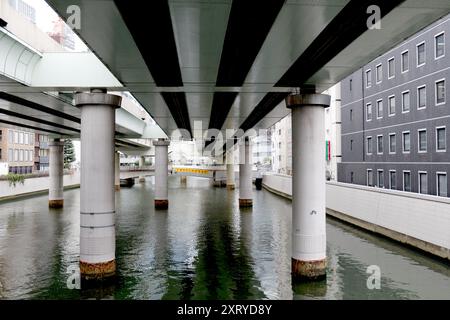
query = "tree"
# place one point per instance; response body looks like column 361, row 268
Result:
column 69, row 153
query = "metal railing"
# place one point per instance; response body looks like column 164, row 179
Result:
column 136, row 168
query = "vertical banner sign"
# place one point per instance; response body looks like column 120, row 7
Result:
column 328, row 150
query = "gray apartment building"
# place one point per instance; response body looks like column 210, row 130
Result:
column 41, row 152
column 396, row 117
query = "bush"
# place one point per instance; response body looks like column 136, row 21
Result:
column 14, row 178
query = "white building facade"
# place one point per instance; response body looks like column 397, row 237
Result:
column 281, row 138
column 333, row 132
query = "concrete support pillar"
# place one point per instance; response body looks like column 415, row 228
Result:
column 308, row 185
column 56, row 174
column 141, row 165
column 97, row 221
column 245, row 175
column 117, row 171
column 230, row 176
column 161, row 173
column 230, row 170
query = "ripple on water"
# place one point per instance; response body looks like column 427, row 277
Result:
column 203, row 247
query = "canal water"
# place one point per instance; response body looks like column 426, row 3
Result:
column 203, row 247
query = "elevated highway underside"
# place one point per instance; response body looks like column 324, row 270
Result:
column 196, row 65
column 230, row 64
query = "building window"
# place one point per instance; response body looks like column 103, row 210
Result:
column 405, row 101
column 422, row 137
column 406, row 180
column 379, row 109
column 21, row 155
column 26, row 138
column 368, row 78
column 406, row 142
column 423, row 182
column 279, row 132
column 351, row 114
column 379, row 73
column 440, row 92
column 369, row 177
column 441, row 184
column 21, row 137
column 43, row 152
column 380, row 144
column 391, row 105
column 421, row 97
column 421, row 54
column 350, row 84
column 16, row 137
column 391, row 68
column 439, row 45
column 380, row 179
column 441, row 143
column 405, row 61
column 16, row 155
column 392, row 143
column 369, row 112
column 10, row 155
column 392, row 179
column 369, row 145
column 352, row 177
column 351, row 144
column 279, row 145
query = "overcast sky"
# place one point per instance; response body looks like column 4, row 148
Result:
column 44, row 14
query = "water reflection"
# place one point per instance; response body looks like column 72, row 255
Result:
column 202, row 247
column 309, row 290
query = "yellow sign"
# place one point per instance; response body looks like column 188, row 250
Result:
column 190, row 170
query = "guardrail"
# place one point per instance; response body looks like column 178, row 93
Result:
column 134, row 168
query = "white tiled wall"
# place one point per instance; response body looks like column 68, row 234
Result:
column 419, row 216
column 35, row 185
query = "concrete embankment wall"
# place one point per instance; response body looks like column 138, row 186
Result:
column 33, row 186
column 422, row 221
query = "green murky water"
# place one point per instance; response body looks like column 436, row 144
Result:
column 203, row 247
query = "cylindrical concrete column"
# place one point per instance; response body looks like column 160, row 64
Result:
column 97, row 222
column 161, row 168
column 56, row 174
column 308, row 185
column 117, row 170
column 245, row 175
column 230, row 176
column 141, row 167
column 230, row 170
